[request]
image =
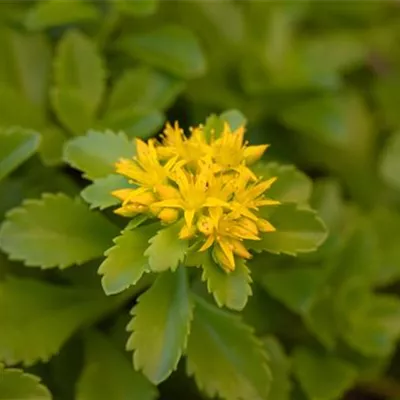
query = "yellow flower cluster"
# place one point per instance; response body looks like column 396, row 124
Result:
column 207, row 183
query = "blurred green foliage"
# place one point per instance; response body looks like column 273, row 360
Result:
column 317, row 80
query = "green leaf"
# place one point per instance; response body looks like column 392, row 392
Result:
column 229, row 289
column 337, row 121
column 292, row 185
column 296, row 287
column 234, row 118
column 79, row 77
column 126, row 262
column 100, row 382
column 15, row 109
column 224, row 356
column 146, row 88
column 166, row 250
column 137, row 8
column 72, row 110
column 171, row 48
column 370, row 323
column 134, row 122
column 280, row 370
column 98, row 194
column 322, row 376
column 55, row 231
column 37, row 318
column 16, row 384
column 47, row 14
column 96, row 153
column 390, row 162
column 387, row 96
column 16, row 146
column 297, row 231
column 386, row 222
column 26, row 65
column 51, row 145
column 161, row 325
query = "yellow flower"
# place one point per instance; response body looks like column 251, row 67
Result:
column 208, row 185
column 229, row 151
column 145, row 170
column 227, row 234
column 191, row 194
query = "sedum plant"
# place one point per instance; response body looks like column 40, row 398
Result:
column 140, row 262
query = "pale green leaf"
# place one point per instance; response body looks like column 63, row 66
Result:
column 166, row 250
column 96, row 153
column 390, row 162
column 234, row 118
column 296, row 287
column 230, row 289
column 297, row 231
column 280, row 369
column 291, row 186
column 16, row 384
column 135, row 122
column 25, row 65
column 322, row 376
column 144, row 87
column 98, row 194
column 107, row 374
column 125, row 263
column 37, row 318
column 224, row 356
column 172, row 48
column 55, row 231
column 161, row 325
column 16, row 146
column 49, row 13
column 137, row 8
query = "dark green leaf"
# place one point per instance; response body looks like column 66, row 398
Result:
column 161, row 325
column 296, row 287
column 55, row 231
column 78, row 80
column 297, row 231
column 134, row 122
column 390, row 162
column 292, row 186
column 322, row 376
column 37, row 318
column 280, row 369
column 144, row 88
column 100, row 382
column 26, row 65
column 137, row 8
column 224, row 356
column 16, row 146
column 48, row 13
column 172, row 48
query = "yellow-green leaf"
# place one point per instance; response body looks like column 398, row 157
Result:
column 161, row 325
